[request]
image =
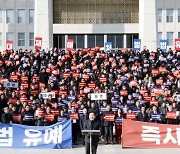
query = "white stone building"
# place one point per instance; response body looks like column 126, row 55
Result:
column 89, row 22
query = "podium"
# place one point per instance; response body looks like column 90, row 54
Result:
column 90, row 133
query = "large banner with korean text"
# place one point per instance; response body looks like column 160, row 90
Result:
column 20, row 136
column 150, row 135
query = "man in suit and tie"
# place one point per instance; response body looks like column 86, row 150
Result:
column 142, row 116
column 82, row 121
column 92, row 124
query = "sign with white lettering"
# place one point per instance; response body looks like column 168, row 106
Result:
column 47, row 94
column 98, row 96
column 10, row 84
column 19, row 136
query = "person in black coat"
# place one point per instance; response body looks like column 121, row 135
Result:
column 92, row 124
column 6, row 116
column 142, row 116
column 108, row 126
column 82, row 121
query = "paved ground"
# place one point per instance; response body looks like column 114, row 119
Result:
column 102, row 149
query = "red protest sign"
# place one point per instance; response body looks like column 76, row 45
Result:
column 150, row 135
column 109, row 117
column 70, row 44
column 9, row 45
column 177, row 44
column 38, row 43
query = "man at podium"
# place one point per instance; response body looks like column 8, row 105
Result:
column 92, row 124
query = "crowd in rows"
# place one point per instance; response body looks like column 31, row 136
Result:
column 56, row 85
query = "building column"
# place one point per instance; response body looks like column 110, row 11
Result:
column 105, row 38
column 125, row 41
column 43, row 26
column 66, row 38
column 85, row 41
column 148, row 24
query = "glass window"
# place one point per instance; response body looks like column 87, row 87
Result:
column 0, row 39
column 178, row 15
column 21, row 16
column 91, row 41
column 119, row 41
column 100, row 40
column 21, row 39
column 169, row 15
column 170, row 38
column 80, row 41
column 9, row 16
column 9, row 36
column 0, row 16
column 31, row 39
column 59, row 41
column 112, row 38
column 178, row 34
column 159, row 13
column 159, row 37
column 31, row 16
column 129, row 41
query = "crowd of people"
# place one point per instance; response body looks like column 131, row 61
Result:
column 140, row 85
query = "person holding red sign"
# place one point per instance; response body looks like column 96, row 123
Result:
column 118, row 126
column 48, row 117
column 73, row 115
column 171, row 116
column 108, row 125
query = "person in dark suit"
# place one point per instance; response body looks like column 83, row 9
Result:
column 142, row 116
column 108, row 127
column 82, row 121
column 92, row 124
column 6, row 116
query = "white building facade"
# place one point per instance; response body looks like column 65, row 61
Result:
column 89, row 22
